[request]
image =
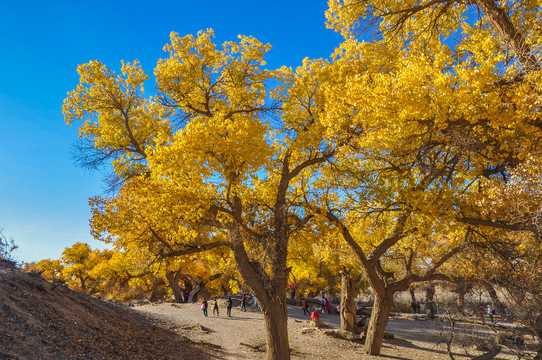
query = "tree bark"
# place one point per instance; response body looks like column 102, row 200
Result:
column 494, row 297
column 429, row 304
column 348, row 310
column 157, row 290
column 194, row 292
column 269, row 287
column 460, row 291
column 509, row 34
column 173, row 282
column 412, row 295
column 378, row 323
column 275, row 319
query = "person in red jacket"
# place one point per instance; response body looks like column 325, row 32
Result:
column 244, row 303
column 305, row 307
column 328, row 306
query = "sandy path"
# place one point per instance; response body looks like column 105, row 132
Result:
column 415, row 339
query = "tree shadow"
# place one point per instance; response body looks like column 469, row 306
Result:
column 402, row 343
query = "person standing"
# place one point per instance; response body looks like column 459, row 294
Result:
column 229, row 304
column 255, row 303
column 204, row 306
column 323, row 304
column 215, row 307
column 305, row 307
column 480, row 308
column 328, row 306
column 244, row 303
column 490, row 313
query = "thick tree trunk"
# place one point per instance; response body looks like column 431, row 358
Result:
column 460, row 291
column 173, row 282
column 157, row 290
column 275, row 319
column 429, row 303
column 270, row 292
column 378, row 323
column 348, row 310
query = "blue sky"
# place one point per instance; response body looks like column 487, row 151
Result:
column 43, row 195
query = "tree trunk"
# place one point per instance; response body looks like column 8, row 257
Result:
column 173, row 282
column 537, row 327
column 429, row 304
column 83, row 284
column 275, row 319
column 378, row 323
column 460, row 291
column 494, row 298
column 412, row 295
column 348, row 310
column 193, row 293
column 156, row 290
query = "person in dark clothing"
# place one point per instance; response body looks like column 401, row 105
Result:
column 229, row 304
column 215, row 307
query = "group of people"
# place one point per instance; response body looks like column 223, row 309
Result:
column 325, row 306
column 490, row 311
column 229, row 305
column 214, row 304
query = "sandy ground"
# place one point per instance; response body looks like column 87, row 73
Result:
column 414, row 338
column 41, row 321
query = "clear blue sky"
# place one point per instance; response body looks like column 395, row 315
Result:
column 43, row 195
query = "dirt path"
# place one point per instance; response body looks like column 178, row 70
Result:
column 415, row 339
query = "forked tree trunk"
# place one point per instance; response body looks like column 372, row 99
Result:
column 348, row 310
column 173, row 282
column 275, row 320
column 378, row 323
column 270, row 291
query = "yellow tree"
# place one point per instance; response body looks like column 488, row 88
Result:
column 207, row 144
column 51, row 270
column 433, row 118
column 78, row 261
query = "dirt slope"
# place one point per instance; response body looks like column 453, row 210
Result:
column 38, row 322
